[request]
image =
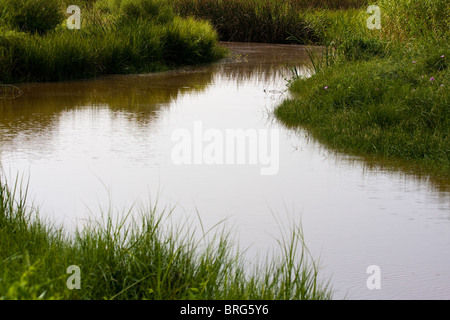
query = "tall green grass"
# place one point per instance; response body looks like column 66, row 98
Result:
column 414, row 19
column 240, row 20
column 124, row 40
column 271, row 21
column 34, row 16
column 142, row 256
column 159, row 11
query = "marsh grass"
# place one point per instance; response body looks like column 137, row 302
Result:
column 414, row 19
column 269, row 21
column 240, row 20
column 33, row 16
column 116, row 42
column 142, row 255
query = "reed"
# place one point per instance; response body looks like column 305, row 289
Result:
column 408, row 19
column 270, row 21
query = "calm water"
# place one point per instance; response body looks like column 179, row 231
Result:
column 86, row 144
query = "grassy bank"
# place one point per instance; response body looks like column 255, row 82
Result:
column 270, row 21
column 143, row 258
column 126, row 36
column 381, row 92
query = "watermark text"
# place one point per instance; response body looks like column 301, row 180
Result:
column 227, row 147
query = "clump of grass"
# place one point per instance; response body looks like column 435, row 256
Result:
column 334, row 27
column 408, row 19
column 144, row 257
column 34, row 16
column 159, row 11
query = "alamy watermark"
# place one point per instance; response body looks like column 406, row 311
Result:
column 374, row 21
column 227, row 147
column 74, row 281
column 374, row 280
column 74, row 21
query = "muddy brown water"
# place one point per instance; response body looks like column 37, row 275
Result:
column 85, row 144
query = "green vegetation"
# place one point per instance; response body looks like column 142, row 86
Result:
column 126, row 36
column 409, row 20
column 27, row 15
column 380, row 92
column 141, row 259
column 271, row 21
column 372, row 92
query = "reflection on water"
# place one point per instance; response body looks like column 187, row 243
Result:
column 9, row 92
column 137, row 96
column 92, row 142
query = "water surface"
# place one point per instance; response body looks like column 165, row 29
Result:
column 108, row 140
